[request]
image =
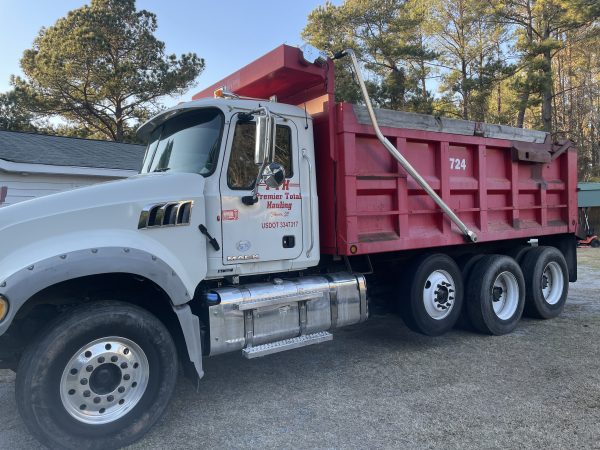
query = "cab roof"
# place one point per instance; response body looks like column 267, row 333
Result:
column 226, row 105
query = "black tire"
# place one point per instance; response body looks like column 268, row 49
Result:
column 466, row 264
column 481, row 294
column 518, row 252
column 43, row 368
column 595, row 243
column 448, row 297
column 539, row 266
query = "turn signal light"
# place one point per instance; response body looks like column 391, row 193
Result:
column 223, row 92
column 3, row 307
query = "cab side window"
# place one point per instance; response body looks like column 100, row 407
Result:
column 241, row 173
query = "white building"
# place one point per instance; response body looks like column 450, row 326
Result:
column 32, row 165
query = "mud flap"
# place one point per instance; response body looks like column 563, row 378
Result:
column 190, row 327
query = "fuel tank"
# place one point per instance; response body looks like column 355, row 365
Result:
column 261, row 313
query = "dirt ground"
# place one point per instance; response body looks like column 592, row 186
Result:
column 379, row 385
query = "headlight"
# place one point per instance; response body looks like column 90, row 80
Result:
column 3, row 307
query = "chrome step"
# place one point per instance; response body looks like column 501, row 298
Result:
column 286, row 344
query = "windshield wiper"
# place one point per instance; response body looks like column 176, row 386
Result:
column 161, row 169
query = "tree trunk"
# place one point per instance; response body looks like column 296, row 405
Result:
column 524, row 96
column 523, row 101
column 547, row 92
column 119, row 122
column 547, row 84
column 463, row 88
column 423, row 82
column 423, row 73
column 499, row 86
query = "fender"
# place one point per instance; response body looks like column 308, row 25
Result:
column 22, row 285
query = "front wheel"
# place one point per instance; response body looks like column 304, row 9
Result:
column 99, row 378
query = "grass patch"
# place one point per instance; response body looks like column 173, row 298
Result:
column 589, row 257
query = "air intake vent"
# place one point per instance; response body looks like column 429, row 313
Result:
column 168, row 214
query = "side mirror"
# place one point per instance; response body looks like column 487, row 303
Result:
column 265, row 139
column 264, row 152
column 273, row 175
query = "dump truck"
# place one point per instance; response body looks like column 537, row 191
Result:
column 267, row 215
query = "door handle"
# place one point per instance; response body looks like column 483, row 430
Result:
column 310, row 202
column 211, row 239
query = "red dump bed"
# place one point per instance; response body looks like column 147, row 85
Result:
column 503, row 182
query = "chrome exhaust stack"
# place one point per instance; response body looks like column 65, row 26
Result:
column 469, row 235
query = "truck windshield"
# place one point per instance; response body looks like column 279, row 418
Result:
column 187, row 143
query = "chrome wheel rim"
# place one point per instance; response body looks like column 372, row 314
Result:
column 439, row 294
column 553, row 283
column 505, row 295
column 104, row 380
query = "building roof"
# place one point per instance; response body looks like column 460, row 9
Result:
column 31, row 148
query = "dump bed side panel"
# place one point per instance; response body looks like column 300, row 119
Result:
column 379, row 208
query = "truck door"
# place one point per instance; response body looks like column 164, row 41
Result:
column 271, row 229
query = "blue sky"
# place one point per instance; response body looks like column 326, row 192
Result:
column 228, row 34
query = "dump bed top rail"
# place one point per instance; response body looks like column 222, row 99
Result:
column 425, row 122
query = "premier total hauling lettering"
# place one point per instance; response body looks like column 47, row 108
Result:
column 277, row 201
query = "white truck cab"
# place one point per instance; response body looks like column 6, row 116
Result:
column 216, row 139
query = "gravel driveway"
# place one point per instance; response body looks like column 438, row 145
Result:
column 378, row 385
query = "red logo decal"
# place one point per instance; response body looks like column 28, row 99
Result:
column 231, row 214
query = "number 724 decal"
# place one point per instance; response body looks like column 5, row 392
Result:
column 458, row 164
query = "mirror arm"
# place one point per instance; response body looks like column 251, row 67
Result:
column 251, row 199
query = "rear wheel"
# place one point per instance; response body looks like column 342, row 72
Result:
column 98, row 378
column 436, row 295
column 547, row 282
column 495, row 295
column 466, row 263
column 595, row 243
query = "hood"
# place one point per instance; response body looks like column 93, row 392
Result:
column 140, row 189
column 91, row 216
